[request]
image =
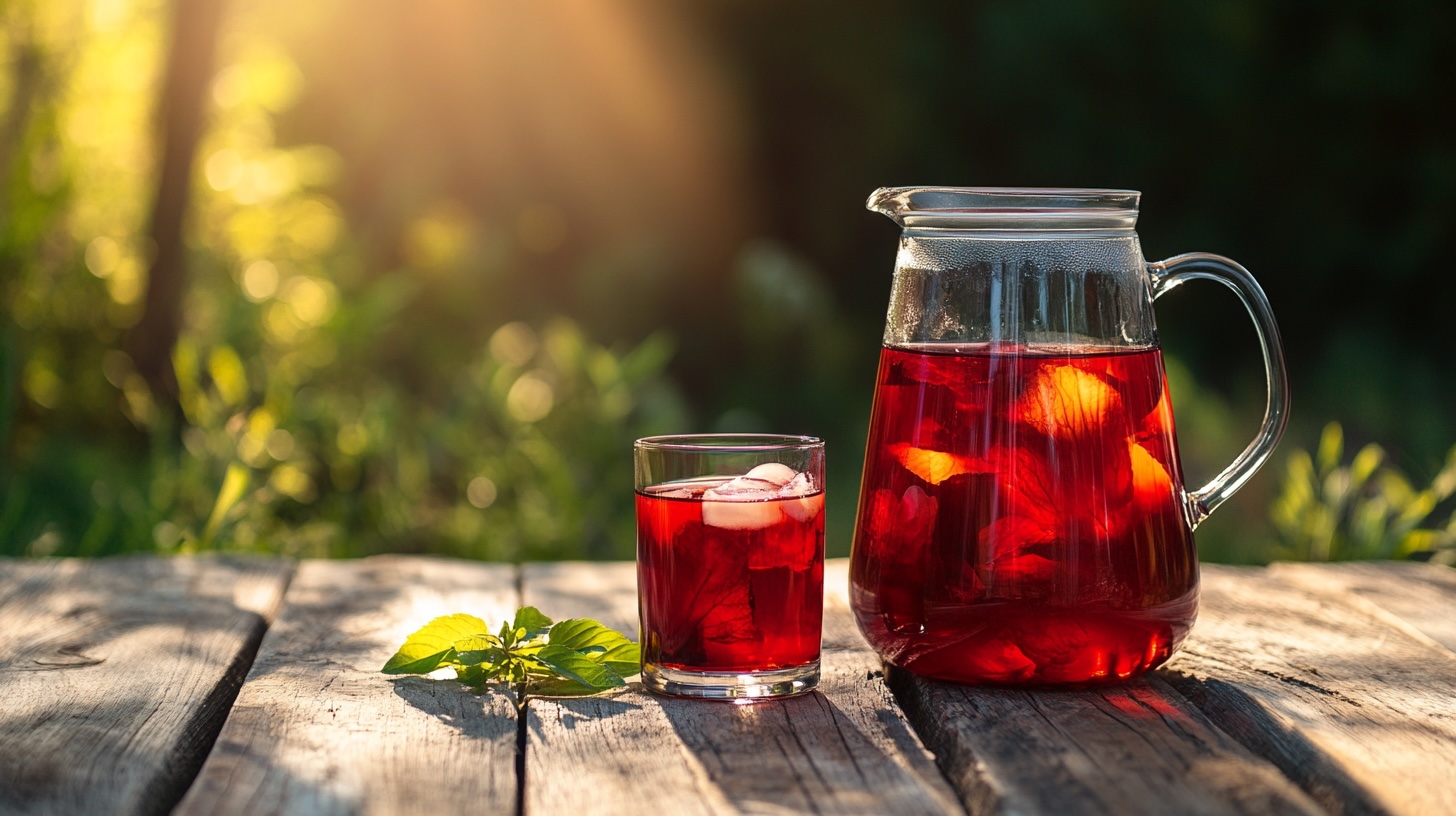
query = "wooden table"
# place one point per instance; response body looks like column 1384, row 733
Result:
column 216, row 686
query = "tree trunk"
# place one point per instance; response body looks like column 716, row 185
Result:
column 195, row 25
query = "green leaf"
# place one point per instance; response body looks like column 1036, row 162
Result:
column 529, row 656
column 600, row 644
column 476, row 676
column 551, row 686
column 229, row 375
column 1443, row 485
column 583, row 634
column 576, row 667
column 1365, row 463
column 532, row 621
column 234, row 484
column 1331, row 445
column 480, row 649
column 625, row 660
column 433, row 644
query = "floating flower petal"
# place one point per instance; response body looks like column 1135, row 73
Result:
column 935, row 466
column 1065, row 402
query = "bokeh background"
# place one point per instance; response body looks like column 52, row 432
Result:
column 342, row 277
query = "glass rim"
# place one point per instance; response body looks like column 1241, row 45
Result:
column 1008, row 208
column 727, row 442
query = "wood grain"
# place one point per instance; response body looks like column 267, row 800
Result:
column 116, row 674
column 1418, row 598
column 317, row 729
column 1304, row 689
column 1360, row 713
column 1133, row 748
column 845, row 749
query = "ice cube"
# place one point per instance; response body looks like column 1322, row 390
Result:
column 805, row 508
column 800, row 485
column 747, row 502
column 741, row 489
column 809, row 503
column 746, row 488
column 774, row 472
column 740, row 513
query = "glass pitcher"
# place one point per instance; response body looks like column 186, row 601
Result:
column 1022, row 516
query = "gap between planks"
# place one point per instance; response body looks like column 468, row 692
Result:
column 118, row 674
column 316, row 727
column 697, row 760
column 845, row 749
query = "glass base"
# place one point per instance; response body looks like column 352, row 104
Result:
column 732, row 686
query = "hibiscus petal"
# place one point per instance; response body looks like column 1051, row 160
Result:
column 1012, row 535
column 1009, row 567
column 1026, row 567
column 1065, row 402
column 1152, row 487
column 1003, row 661
column 917, row 515
column 934, row 466
column 708, row 599
column 877, row 515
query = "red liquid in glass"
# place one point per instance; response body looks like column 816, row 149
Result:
column 1020, row 518
column 729, row 600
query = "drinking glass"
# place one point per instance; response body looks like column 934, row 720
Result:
column 730, row 564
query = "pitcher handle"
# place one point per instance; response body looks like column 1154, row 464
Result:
column 1169, row 274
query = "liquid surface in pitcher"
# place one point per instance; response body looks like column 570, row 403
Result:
column 1021, row 516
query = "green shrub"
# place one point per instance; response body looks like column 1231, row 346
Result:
column 1328, row 510
column 526, row 455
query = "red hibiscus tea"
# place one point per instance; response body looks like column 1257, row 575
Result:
column 1021, row 516
column 730, row 568
column 727, row 586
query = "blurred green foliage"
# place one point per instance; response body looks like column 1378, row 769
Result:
column 325, row 409
column 517, row 457
column 1332, row 510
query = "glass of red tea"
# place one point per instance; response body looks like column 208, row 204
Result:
column 730, row 564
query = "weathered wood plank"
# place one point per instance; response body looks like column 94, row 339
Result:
column 116, row 675
column 1134, row 748
column 1359, row 713
column 317, row 729
column 854, row 674
column 845, row 749
column 1419, row 598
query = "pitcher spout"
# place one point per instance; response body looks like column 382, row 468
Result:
column 890, row 202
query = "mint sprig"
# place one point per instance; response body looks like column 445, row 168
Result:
column 528, row 656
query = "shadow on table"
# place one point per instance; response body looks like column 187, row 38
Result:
column 489, row 716
column 803, row 754
column 1243, row 717
column 570, row 712
column 117, row 675
column 54, row 759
